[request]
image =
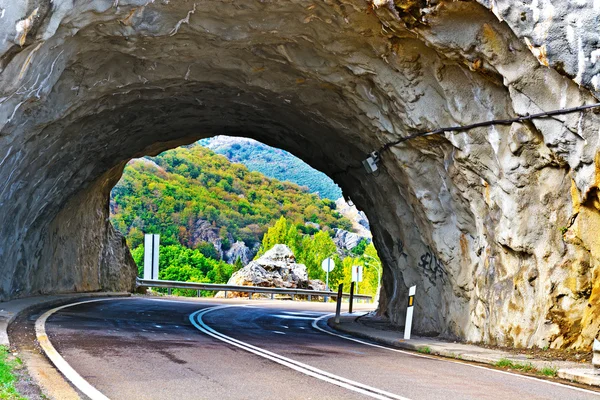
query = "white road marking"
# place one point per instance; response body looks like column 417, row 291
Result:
column 196, row 320
column 293, row 317
column 281, row 333
column 59, row 362
column 303, row 312
column 410, row 353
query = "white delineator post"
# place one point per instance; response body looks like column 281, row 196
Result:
column 409, row 312
column 596, row 356
column 151, row 245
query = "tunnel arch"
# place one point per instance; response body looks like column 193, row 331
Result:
column 86, row 87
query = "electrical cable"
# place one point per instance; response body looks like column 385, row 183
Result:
column 462, row 128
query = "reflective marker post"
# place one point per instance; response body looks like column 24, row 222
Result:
column 409, row 312
column 596, row 354
column 351, row 297
column 338, row 306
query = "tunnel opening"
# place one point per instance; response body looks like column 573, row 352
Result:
column 217, row 206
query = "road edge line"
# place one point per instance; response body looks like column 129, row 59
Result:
column 57, row 360
column 446, row 359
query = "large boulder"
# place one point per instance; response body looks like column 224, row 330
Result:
column 276, row 268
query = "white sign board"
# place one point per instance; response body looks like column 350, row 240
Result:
column 328, row 265
column 151, row 245
column 357, row 273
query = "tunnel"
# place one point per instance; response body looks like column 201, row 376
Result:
column 498, row 226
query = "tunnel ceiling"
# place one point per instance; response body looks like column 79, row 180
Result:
column 498, row 227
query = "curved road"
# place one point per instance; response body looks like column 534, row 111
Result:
column 161, row 349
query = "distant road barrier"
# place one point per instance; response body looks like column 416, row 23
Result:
column 244, row 289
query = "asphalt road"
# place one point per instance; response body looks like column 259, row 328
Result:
column 152, row 349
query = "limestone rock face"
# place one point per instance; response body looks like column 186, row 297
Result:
column 348, row 240
column 241, row 251
column 276, row 268
column 360, row 223
column 498, row 227
column 205, row 232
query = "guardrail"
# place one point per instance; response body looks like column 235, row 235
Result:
column 244, row 289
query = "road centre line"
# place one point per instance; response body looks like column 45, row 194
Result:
column 410, row 353
column 293, row 317
column 317, row 313
column 198, row 322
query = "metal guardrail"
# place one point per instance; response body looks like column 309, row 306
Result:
column 243, row 289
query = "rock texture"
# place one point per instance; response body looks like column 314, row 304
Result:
column 360, row 222
column 498, row 227
column 276, row 268
column 241, row 251
column 205, row 232
column 345, row 240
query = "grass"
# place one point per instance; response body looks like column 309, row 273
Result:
column 549, row 371
column 424, row 349
column 7, row 376
column 527, row 367
column 524, row 367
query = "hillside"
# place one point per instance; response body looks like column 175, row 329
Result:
column 274, row 163
column 192, row 196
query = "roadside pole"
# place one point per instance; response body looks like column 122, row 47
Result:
column 338, row 306
column 151, row 247
column 328, row 265
column 351, row 297
column 409, row 312
column 596, row 354
column 357, row 276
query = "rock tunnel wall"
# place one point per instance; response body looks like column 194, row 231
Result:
column 498, row 227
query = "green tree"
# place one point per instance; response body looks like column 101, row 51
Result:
column 208, row 250
column 314, row 251
column 280, row 233
column 359, row 249
column 135, row 237
column 237, row 265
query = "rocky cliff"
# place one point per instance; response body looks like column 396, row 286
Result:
column 499, row 227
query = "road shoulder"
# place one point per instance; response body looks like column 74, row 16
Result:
column 360, row 326
column 17, row 331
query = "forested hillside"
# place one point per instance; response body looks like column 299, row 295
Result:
column 209, row 211
column 190, row 195
column 274, row 163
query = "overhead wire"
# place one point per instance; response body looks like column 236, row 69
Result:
column 463, row 128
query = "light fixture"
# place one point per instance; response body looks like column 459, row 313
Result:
column 370, row 164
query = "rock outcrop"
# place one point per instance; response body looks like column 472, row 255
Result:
column 241, row 251
column 276, row 268
column 498, row 227
column 345, row 240
column 204, row 231
column 360, row 223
